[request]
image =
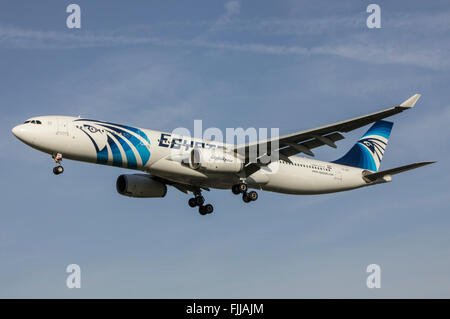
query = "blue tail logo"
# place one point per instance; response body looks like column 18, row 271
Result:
column 368, row 151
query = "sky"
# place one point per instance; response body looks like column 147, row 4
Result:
column 292, row 65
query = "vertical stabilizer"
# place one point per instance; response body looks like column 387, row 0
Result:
column 368, row 151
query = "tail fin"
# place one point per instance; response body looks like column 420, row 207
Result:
column 368, row 151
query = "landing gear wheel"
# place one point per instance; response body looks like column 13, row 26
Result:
column 253, row 195
column 246, row 198
column 235, row 189
column 202, row 210
column 208, row 208
column 192, row 202
column 243, row 187
column 205, row 210
column 58, row 170
column 199, row 200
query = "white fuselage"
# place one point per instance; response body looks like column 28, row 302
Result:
column 151, row 151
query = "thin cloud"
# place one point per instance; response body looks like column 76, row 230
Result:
column 232, row 10
column 14, row 37
column 420, row 22
column 379, row 48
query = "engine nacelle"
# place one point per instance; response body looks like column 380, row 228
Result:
column 215, row 160
column 140, row 185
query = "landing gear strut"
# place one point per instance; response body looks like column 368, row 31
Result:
column 242, row 188
column 199, row 200
column 58, row 169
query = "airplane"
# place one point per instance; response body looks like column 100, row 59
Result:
column 192, row 165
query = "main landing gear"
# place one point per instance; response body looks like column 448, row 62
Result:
column 242, row 188
column 199, row 200
column 57, row 169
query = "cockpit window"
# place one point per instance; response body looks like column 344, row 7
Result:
column 26, row 122
column 33, row 122
column 38, row 122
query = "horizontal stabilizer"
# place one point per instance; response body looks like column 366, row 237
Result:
column 374, row 176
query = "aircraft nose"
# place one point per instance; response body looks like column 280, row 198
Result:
column 16, row 130
column 22, row 133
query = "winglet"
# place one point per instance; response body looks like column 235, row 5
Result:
column 411, row 101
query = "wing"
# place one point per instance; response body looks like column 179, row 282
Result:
column 304, row 141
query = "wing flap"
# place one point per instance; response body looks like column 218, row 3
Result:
column 315, row 142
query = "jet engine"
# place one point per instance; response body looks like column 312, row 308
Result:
column 215, row 160
column 140, row 185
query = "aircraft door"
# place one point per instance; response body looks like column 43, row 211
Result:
column 62, row 127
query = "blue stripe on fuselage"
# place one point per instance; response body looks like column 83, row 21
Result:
column 142, row 149
column 117, row 157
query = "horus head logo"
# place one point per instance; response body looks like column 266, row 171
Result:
column 97, row 135
column 370, row 145
column 375, row 145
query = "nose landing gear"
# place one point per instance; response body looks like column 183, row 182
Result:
column 58, row 169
